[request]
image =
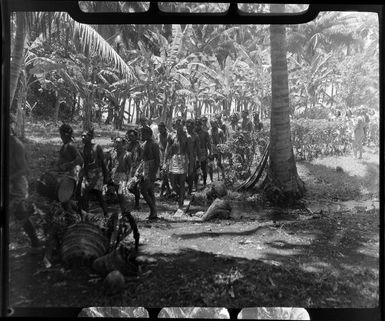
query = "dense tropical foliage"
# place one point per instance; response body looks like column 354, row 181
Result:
column 71, row 69
column 62, row 70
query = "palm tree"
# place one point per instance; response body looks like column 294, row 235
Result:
column 17, row 53
column 282, row 184
column 91, row 43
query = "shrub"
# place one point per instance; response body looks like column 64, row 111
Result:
column 241, row 152
column 312, row 138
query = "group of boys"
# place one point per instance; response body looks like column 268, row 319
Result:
column 187, row 150
column 132, row 166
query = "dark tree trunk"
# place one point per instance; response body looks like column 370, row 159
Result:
column 138, row 111
column 87, row 113
column 56, row 108
column 121, row 113
column 282, row 185
column 17, row 53
column 73, row 110
column 130, row 112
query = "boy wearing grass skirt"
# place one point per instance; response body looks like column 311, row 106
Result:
column 147, row 172
column 133, row 146
column 194, row 155
column 205, row 148
column 121, row 177
column 119, row 166
column 70, row 159
column 177, row 157
column 162, row 142
column 94, row 172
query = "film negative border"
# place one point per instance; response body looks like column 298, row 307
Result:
column 154, row 16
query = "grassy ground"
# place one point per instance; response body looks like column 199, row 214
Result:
column 325, row 257
column 359, row 180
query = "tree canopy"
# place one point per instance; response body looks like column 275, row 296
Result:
column 123, row 71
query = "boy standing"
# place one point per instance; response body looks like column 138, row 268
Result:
column 151, row 162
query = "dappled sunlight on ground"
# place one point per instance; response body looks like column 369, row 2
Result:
column 358, row 181
column 350, row 165
column 324, row 254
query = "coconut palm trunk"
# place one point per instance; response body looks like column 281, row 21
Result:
column 283, row 184
column 17, row 54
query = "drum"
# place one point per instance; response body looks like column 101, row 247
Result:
column 83, row 242
column 56, row 186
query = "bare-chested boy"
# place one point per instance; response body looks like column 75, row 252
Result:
column 205, row 146
column 151, row 163
column 194, row 154
column 162, row 142
column 120, row 167
column 177, row 156
column 133, row 147
column 94, row 172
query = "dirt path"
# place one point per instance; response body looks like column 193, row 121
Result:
column 325, row 254
column 312, row 260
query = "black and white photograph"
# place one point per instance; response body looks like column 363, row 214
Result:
column 194, row 165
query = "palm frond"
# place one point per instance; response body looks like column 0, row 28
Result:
column 184, row 92
column 181, row 79
column 109, row 73
column 176, row 42
column 96, row 43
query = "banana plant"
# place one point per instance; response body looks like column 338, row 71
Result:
column 88, row 41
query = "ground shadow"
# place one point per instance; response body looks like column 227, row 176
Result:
column 341, row 185
column 191, row 277
column 195, row 278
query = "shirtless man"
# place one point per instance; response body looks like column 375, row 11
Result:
column 246, row 124
column 70, row 160
column 119, row 165
column 94, row 172
column 133, row 147
column 216, row 137
column 222, row 126
column 194, row 155
column 205, row 146
column 151, row 163
column 204, row 125
column 162, row 142
column 18, row 188
column 177, row 156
